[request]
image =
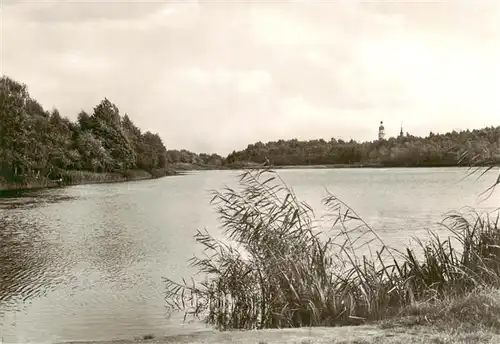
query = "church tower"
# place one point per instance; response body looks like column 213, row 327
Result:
column 401, row 132
column 381, row 131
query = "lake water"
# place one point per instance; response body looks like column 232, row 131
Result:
column 86, row 262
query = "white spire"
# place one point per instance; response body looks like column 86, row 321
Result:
column 381, row 131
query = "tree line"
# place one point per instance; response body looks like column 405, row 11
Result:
column 481, row 147
column 35, row 142
column 38, row 143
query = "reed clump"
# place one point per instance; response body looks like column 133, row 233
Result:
column 80, row 177
column 278, row 266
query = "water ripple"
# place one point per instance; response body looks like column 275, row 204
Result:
column 29, row 265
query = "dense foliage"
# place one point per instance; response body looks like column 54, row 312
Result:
column 37, row 143
column 450, row 149
column 203, row 159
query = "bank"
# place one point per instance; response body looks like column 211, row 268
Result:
column 367, row 334
column 466, row 319
column 68, row 178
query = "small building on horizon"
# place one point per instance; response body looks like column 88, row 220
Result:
column 381, row 131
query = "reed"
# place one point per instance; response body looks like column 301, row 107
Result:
column 279, row 266
column 80, row 177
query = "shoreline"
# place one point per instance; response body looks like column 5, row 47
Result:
column 366, row 334
column 177, row 169
column 251, row 166
column 73, row 178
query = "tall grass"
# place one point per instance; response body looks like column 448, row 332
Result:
column 281, row 267
column 79, row 177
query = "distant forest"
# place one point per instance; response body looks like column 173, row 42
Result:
column 476, row 147
column 36, row 142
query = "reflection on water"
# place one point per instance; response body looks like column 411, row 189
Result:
column 30, row 265
column 86, row 262
column 25, row 199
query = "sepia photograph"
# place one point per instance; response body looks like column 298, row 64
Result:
column 249, row 171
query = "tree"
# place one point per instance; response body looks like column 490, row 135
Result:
column 36, row 142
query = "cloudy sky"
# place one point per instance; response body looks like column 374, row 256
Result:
column 214, row 76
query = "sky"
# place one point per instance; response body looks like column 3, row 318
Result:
column 215, row 76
